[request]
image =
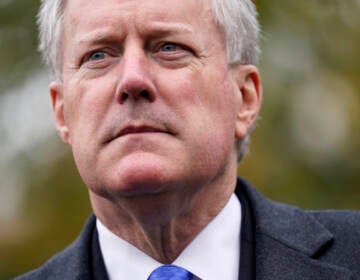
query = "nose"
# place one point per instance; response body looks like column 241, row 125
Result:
column 136, row 82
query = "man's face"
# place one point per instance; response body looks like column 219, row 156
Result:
column 147, row 101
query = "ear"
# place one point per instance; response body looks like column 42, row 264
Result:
column 57, row 101
column 249, row 91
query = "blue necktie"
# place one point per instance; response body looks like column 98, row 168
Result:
column 170, row 272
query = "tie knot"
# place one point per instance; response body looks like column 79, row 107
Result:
column 170, row 272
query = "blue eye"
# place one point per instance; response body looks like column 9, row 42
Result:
column 97, row 56
column 169, row 47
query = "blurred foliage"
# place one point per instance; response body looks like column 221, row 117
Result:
column 299, row 156
column 18, row 44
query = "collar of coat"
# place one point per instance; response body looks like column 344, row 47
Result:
column 291, row 243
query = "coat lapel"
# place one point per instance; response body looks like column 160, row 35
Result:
column 287, row 241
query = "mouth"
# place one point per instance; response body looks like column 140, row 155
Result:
column 138, row 129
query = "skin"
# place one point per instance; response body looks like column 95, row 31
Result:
column 152, row 112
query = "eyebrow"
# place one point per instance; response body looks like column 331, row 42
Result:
column 154, row 29
column 97, row 38
column 168, row 28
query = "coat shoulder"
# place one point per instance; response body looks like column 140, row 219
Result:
column 340, row 222
column 345, row 228
column 352, row 216
column 71, row 263
column 52, row 268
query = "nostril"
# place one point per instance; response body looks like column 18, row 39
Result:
column 135, row 95
column 145, row 94
column 124, row 96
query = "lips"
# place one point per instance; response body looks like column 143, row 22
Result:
column 140, row 129
column 137, row 129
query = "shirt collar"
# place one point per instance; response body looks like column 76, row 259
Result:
column 213, row 254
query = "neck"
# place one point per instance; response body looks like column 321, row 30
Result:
column 162, row 225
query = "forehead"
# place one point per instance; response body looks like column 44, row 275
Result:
column 92, row 13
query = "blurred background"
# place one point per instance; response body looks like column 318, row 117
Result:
column 305, row 150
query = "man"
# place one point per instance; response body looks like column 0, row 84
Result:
column 156, row 98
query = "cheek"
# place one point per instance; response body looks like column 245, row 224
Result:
column 86, row 105
column 205, row 102
column 208, row 97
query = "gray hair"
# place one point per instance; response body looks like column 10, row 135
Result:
column 237, row 19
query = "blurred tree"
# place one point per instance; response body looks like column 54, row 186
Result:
column 18, row 43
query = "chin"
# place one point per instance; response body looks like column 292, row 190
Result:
column 141, row 176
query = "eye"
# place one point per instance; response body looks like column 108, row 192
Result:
column 169, row 47
column 97, row 56
column 172, row 55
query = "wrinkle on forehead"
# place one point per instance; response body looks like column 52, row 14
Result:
column 135, row 10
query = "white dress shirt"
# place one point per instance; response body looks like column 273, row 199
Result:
column 214, row 253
